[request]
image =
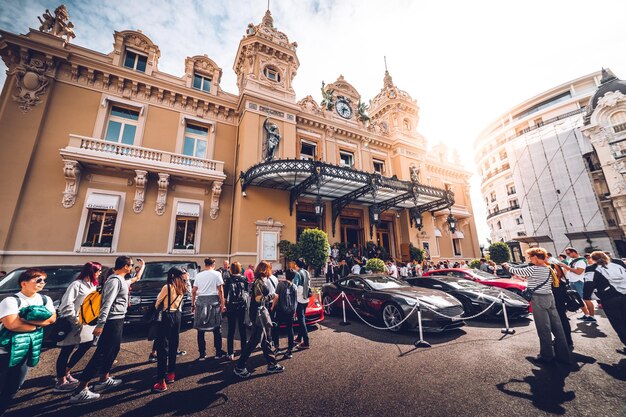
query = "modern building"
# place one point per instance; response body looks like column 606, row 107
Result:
column 103, row 154
column 537, row 174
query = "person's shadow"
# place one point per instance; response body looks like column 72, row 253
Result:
column 617, row 371
column 547, row 385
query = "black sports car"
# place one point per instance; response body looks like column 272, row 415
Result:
column 476, row 297
column 387, row 300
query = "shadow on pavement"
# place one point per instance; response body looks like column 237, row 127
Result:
column 617, row 371
column 588, row 330
column 498, row 324
column 545, row 387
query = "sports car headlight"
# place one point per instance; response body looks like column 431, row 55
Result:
column 134, row 299
column 411, row 301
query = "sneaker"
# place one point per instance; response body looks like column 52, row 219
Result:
column 70, row 378
column 302, row 346
column 159, row 387
column 278, row 351
column 591, row 319
column 106, row 385
column 540, row 360
column 170, row 378
column 152, row 358
column 181, row 353
column 230, row 357
column 288, row 355
column 583, row 318
column 275, row 369
column 241, row 372
column 220, row 355
column 202, row 357
column 65, row 386
column 84, row 396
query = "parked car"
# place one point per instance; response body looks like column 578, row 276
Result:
column 144, row 292
column 515, row 285
column 59, row 278
column 476, row 297
column 389, row 301
column 313, row 314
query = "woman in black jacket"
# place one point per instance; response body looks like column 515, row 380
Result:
column 235, row 292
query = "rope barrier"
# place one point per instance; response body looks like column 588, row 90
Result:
column 333, row 302
column 386, row 327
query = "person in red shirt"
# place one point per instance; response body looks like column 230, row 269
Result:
column 249, row 274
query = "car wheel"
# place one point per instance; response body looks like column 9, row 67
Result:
column 329, row 309
column 468, row 308
column 392, row 315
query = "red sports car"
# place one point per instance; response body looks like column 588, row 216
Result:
column 515, row 285
column 313, row 314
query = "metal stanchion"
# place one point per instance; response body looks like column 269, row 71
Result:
column 421, row 342
column 507, row 329
column 343, row 306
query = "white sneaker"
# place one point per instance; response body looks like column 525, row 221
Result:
column 84, row 396
column 65, row 386
column 106, row 385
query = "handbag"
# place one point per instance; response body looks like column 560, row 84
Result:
column 527, row 294
column 157, row 317
column 62, row 327
column 573, row 302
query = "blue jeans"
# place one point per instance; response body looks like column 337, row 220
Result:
column 303, row 332
column 11, row 380
column 578, row 287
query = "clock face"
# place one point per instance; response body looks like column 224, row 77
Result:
column 343, row 109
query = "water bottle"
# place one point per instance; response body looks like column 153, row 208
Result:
column 95, row 340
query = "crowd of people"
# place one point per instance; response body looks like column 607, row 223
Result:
column 256, row 303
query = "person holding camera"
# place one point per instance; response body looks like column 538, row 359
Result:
column 261, row 323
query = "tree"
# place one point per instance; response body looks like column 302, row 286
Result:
column 417, row 254
column 290, row 251
column 474, row 263
column 313, row 244
column 375, row 265
column 499, row 252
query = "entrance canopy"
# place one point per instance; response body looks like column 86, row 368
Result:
column 342, row 186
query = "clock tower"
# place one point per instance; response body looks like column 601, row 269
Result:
column 266, row 62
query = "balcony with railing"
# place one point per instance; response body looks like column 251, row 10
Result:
column 103, row 153
column 494, row 213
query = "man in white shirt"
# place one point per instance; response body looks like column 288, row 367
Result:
column 356, row 268
column 575, row 274
column 393, row 270
column 206, row 297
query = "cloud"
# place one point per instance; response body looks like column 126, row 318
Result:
column 466, row 63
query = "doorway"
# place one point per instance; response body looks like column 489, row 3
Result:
column 351, row 230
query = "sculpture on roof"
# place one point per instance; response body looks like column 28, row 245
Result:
column 272, row 139
column 328, row 102
column 362, row 112
column 57, row 25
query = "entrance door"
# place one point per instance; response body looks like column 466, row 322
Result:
column 383, row 237
column 351, row 231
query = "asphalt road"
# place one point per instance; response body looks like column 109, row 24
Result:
column 358, row 371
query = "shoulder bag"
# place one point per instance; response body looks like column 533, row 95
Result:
column 527, row 294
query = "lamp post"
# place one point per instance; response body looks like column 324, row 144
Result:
column 451, row 220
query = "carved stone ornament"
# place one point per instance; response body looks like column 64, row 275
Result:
column 57, row 25
column 71, row 172
column 272, row 140
column 141, row 178
column 215, row 199
column 163, row 183
column 611, row 99
column 31, row 80
column 309, row 105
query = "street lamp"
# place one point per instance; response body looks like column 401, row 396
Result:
column 418, row 221
column 319, row 206
column 451, row 222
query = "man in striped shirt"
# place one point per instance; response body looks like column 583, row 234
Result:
column 545, row 315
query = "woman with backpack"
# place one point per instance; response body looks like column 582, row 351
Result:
column 80, row 336
column 235, row 292
column 168, row 301
column 285, row 308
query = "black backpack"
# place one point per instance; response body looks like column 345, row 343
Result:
column 287, row 299
column 236, row 290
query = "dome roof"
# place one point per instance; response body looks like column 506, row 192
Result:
column 608, row 83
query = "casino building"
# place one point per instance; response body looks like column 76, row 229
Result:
column 103, row 154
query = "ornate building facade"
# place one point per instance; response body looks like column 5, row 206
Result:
column 541, row 180
column 103, row 154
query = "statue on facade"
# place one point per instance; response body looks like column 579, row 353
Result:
column 415, row 173
column 362, row 112
column 328, row 102
column 57, row 25
column 272, row 139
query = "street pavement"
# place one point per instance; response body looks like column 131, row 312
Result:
column 359, row 371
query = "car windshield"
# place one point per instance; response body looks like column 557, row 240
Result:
column 58, row 277
column 482, row 275
column 158, row 271
column 464, row 284
column 382, row 282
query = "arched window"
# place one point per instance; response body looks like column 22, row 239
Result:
column 618, row 121
column 271, row 73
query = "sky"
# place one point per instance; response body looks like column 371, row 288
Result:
column 465, row 62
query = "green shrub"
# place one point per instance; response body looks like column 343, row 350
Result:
column 499, row 252
column 474, row 263
column 313, row 245
column 417, row 254
column 375, row 265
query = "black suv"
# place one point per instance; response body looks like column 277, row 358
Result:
column 143, row 293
